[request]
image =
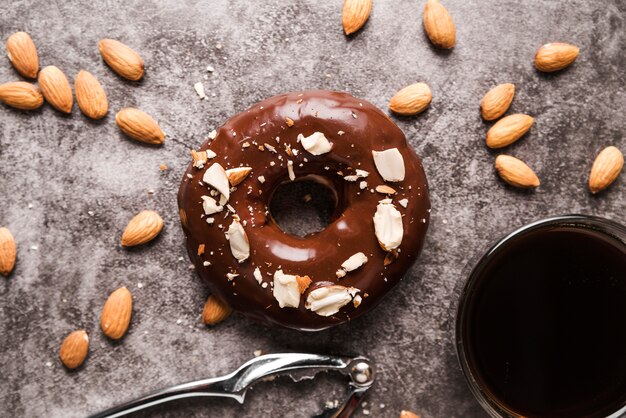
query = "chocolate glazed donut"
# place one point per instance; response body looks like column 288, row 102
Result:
column 329, row 277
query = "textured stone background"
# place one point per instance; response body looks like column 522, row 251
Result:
column 68, row 166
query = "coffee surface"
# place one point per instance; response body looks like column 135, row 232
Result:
column 547, row 324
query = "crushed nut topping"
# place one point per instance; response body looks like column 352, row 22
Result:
column 258, row 276
column 210, row 206
column 354, row 262
column 216, row 177
column 292, row 175
column 389, row 164
column 384, row 189
column 238, row 240
column 403, row 202
column 327, row 300
column 316, row 143
column 237, row 175
column 388, row 225
column 289, row 122
column 286, row 289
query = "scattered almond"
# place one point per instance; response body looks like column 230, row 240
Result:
column 508, row 130
column 411, row 100
column 74, row 349
column 555, row 56
column 354, row 14
column 142, row 228
column 497, row 101
column 201, row 249
column 122, row 59
column 8, row 251
column 215, row 311
column 439, row 25
column 237, row 175
column 56, row 89
column 116, row 313
column 303, row 283
column 139, row 125
column 408, row 414
column 515, row 172
column 384, row 189
column 21, row 95
column 22, row 53
column 606, row 168
column 90, row 96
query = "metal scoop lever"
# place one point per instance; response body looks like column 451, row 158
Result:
column 298, row 366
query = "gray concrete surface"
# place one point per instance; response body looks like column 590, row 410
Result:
column 84, row 180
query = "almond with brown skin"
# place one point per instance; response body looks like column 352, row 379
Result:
column 74, row 349
column 515, row 172
column 142, row 228
column 115, row 317
column 140, row 126
column 8, row 252
column 21, row 95
column 411, row 100
column 497, row 101
column 508, row 130
column 22, row 53
column 215, row 311
column 56, row 89
column 555, row 56
column 439, row 25
column 408, row 414
column 122, row 59
column 90, row 96
column 606, row 168
column 354, row 14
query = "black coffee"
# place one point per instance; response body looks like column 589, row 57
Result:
column 545, row 329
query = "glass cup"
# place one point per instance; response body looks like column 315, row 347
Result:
column 513, row 354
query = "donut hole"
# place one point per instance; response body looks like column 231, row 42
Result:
column 305, row 206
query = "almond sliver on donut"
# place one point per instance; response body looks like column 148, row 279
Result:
column 217, row 178
column 238, row 240
column 388, row 225
column 316, row 143
column 327, row 300
column 389, row 164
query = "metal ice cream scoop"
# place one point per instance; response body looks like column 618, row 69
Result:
column 298, row 366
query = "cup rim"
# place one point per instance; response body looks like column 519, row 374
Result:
column 595, row 223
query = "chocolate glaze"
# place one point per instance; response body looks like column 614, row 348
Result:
column 318, row 255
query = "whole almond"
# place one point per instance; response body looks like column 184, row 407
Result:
column 22, row 53
column 142, row 228
column 21, row 95
column 139, row 125
column 555, row 56
column 497, row 101
column 8, row 251
column 515, row 172
column 115, row 317
column 408, row 414
column 74, row 349
column 606, row 168
column 508, row 130
column 411, row 100
column 122, row 59
column 56, row 89
column 354, row 14
column 439, row 25
column 215, row 311
column 90, row 96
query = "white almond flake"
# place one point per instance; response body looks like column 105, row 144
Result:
column 216, row 177
column 206, row 263
column 271, row 148
column 327, row 300
column 264, row 285
column 261, row 179
column 286, row 290
column 231, row 276
column 363, row 185
column 238, row 240
column 403, row 202
column 388, row 225
column 295, row 153
column 237, row 175
column 292, row 175
column 340, row 133
column 213, row 134
column 200, row 90
column 389, row 164
column 223, row 199
column 210, row 221
column 354, row 262
column 340, row 273
column 316, row 143
column 357, row 301
column 258, row 276
column 351, row 178
column 362, row 173
column 210, row 206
